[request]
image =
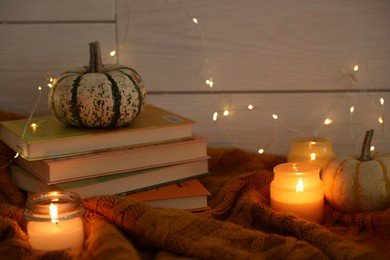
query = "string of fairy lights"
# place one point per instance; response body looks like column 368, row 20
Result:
column 219, row 115
column 328, row 120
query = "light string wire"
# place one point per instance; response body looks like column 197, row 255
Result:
column 27, row 124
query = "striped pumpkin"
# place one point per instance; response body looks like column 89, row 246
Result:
column 358, row 183
column 97, row 95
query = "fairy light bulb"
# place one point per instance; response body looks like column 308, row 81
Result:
column 195, row 20
column 50, row 83
column 275, row 116
column 210, row 82
column 34, row 126
column 356, row 67
column 372, row 148
column 328, row 121
column 112, row 53
column 215, row 116
column 226, row 113
column 250, row 107
column 261, row 151
column 352, row 109
column 381, row 120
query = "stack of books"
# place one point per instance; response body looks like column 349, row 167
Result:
column 156, row 159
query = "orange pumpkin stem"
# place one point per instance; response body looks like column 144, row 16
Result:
column 366, row 148
column 95, row 58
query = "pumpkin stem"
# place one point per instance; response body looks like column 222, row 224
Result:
column 366, row 148
column 95, row 58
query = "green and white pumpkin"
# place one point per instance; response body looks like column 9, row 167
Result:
column 97, row 95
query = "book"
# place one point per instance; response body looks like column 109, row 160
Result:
column 49, row 138
column 188, row 195
column 116, row 183
column 109, row 162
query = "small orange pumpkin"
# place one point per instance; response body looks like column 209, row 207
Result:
column 358, row 184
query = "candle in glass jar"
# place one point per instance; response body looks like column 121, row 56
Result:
column 298, row 189
column 54, row 221
column 48, row 236
column 313, row 150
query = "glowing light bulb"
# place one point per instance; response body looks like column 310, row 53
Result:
column 34, row 126
column 195, row 20
column 250, row 107
column 51, row 81
column 356, row 67
column 215, row 116
column 275, row 116
column 328, row 121
column 39, row 88
column 112, row 53
column 382, row 101
column 261, row 151
column 351, row 109
column 210, row 82
column 381, row 120
column 226, row 112
column 372, row 148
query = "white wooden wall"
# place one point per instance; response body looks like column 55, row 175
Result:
column 294, row 59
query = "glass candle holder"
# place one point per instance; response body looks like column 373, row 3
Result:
column 54, row 221
column 312, row 150
column 298, row 189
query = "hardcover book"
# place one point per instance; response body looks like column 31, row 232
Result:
column 126, row 182
column 47, row 137
column 187, row 195
column 109, row 162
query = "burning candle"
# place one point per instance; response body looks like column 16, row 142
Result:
column 298, row 189
column 312, row 150
column 54, row 221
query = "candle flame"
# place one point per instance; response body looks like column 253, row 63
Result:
column 299, row 187
column 53, row 213
column 313, row 156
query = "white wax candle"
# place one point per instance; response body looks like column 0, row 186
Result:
column 312, row 150
column 298, row 189
column 47, row 236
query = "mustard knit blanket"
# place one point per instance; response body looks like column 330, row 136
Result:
column 239, row 225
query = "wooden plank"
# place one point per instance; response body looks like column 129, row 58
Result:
column 56, row 10
column 29, row 53
column 257, row 45
column 299, row 115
